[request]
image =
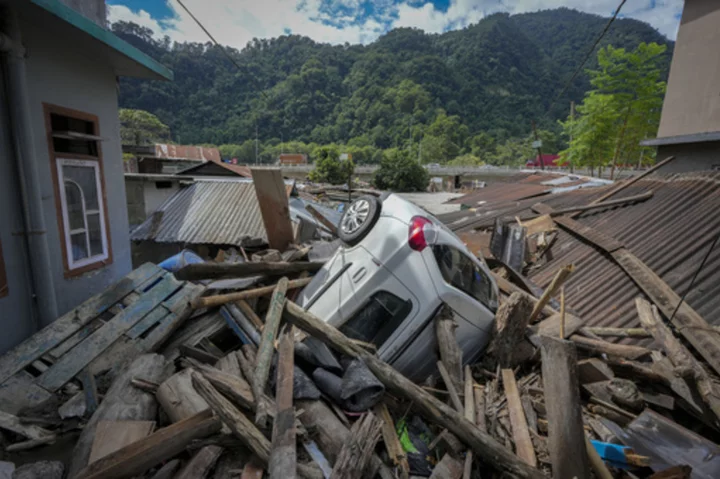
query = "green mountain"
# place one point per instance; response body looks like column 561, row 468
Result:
column 495, row 76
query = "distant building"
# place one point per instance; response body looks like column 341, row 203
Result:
column 291, row 159
column 548, row 161
column 64, row 231
column 690, row 122
column 167, row 159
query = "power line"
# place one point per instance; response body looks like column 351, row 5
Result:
column 587, row 56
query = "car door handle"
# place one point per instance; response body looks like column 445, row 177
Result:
column 359, row 274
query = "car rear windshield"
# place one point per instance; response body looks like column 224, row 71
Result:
column 463, row 273
column 375, row 321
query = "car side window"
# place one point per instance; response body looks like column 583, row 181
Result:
column 377, row 319
column 463, row 273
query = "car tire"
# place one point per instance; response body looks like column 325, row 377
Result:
column 358, row 219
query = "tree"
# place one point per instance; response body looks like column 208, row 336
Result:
column 140, row 128
column 443, row 139
column 400, row 172
column 329, row 168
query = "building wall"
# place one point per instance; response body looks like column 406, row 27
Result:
column 144, row 195
column 156, row 196
column 690, row 157
column 93, row 9
column 17, row 320
column 135, row 194
column 60, row 75
column 692, row 101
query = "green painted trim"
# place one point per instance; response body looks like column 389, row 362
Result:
column 79, row 21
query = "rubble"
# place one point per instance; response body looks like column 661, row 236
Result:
column 166, row 377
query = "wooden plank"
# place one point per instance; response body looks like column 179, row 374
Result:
column 392, row 442
column 191, row 333
column 74, row 361
column 611, row 349
column 181, row 311
column 566, row 437
column 354, row 458
column 588, row 233
column 13, row 423
column 90, row 390
column 283, row 455
column 450, row 352
column 541, row 224
column 558, row 280
column 73, row 340
column 266, row 348
column 59, row 330
column 220, row 299
column 155, row 316
column 470, row 416
column 273, row 201
column 511, row 323
column 201, row 463
column 447, row 468
column 322, row 219
column 178, row 398
column 138, row 457
column 483, row 445
column 251, row 314
column 111, row 436
column 20, row 391
column 454, row 396
column 521, row 435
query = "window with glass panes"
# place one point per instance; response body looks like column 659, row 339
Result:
column 82, row 215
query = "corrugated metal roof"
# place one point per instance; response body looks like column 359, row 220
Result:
column 239, row 170
column 206, row 212
column 186, row 152
column 671, row 233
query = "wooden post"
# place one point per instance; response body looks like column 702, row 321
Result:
column 272, row 197
column 566, row 437
column 521, row 436
column 560, row 277
column 283, row 456
column 511, row 321
column 454, row 397
column 450, row 352
column 482, row 444
column 266, row 349
column 220, row 299
column 355, row 455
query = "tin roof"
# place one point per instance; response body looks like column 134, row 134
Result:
column 207, row 167
column 206, row 212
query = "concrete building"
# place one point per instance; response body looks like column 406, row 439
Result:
column 690, row 123
column 64, row 231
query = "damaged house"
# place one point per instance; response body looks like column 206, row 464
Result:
column 64, row 228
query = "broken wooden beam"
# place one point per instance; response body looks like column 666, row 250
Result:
column 450, row 352
column 511, row 321
column 619, row 332
column 611, row 349
column 283, row 455
column 354, row 458
column 521, row 435
column 566, row 437
column 454, row 396
column 200, row 464
column 560, row 277
column 220, row 299
column 322, row 219
column 200, row 271
column 392, row 442
column 482, row 444
column 266, row 347
column 178, row 398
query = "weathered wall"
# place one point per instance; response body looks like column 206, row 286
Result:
column 61, row 75
column 135, row 200
column 692, row 101
column 144, row 196
column 93, row 9
column 690, row 157
column 154, row 196
column 16, row 309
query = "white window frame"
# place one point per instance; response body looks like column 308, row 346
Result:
column 72, row 264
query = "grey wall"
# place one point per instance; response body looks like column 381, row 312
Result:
column 16, row 309
column 93, row 9
column 690, row 157
column 60, row 75
column 692, row 100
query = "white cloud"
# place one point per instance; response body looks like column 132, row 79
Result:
column 236, row 22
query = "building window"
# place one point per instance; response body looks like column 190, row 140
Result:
column 3, row 277
column 76, row 158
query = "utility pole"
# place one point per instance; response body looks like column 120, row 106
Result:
column 572, row 123
column 538, row 144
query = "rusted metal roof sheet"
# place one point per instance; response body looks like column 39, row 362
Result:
column 206, row 212
column 671, row 233
column 186, row 152
column 210, row 168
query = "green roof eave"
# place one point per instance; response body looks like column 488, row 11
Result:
column 152, row 68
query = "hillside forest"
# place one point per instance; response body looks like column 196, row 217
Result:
column 464, row 97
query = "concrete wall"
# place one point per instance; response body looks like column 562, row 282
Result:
column 93, row 9
column 17, row 319
column 692, row 101
column 690, row 157
column 154, row 196
column 144, row 196
column 60, row 75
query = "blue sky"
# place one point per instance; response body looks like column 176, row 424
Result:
column 235, row 22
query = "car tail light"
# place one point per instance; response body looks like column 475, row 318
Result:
column 421, row 233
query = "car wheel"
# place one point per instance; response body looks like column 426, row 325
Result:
column 358, row 219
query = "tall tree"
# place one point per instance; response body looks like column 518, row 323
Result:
column 140, row 128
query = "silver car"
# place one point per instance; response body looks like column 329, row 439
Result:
column 397, row 268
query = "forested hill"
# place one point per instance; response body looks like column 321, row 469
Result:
column 495, row 76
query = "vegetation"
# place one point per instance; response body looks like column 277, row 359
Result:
column 140, row 128
column 329, row 168
column 400, row 172
column 437, row 97
column 622, row 109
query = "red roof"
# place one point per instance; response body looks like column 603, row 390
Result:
column 547, row 160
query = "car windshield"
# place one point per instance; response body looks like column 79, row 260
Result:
column 463, row 273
